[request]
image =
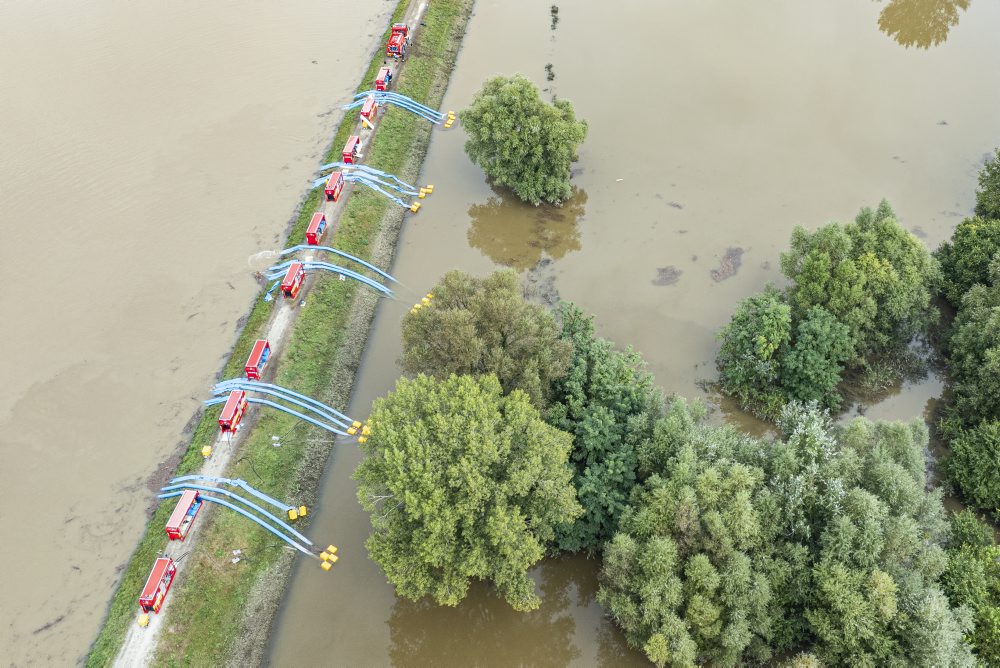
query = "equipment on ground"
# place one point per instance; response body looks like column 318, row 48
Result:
column 334, row 186
column 316, row 228
column 383, row 79
column 259, row 355
column 292, row 282
column 352, row 150
column 233, row 411
column 157, row 585
column 399, row 41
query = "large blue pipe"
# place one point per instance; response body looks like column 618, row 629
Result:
column 387, row 97
column 236, row 482
column 228, row 386
column 367, row 170
column 237, row 497
column 255, row 384
column 278, row 270
column 285, row 409
column 328, row 249
column 244, row 513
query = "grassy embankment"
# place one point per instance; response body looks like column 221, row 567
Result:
column 206, row 611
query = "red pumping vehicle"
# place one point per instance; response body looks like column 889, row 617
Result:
column 183, row 516
column 316, row 228
column 334, row 185
column 292, row 282
column 398, row 41
column 233, row 411
column 259, row 355
column 352, row 149
column 157, row 585
column 369, row 110
column 383, row 79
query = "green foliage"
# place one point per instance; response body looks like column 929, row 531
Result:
column 974, row 464
column 610, row 404
column 988, row 194
column 749, row 360
column 872, row 275
column 826, row 541
column 812, row 368
column 974, row 356
column 520, row 141
column 484, row 325
column 965, row 259
column 973, row 580
column 463, row 482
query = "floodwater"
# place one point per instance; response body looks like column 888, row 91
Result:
column 146, row 149
column 715, row 128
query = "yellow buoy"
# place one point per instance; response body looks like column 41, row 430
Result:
column 324, row 555
column 325, row 565
column 355, row 424
column 206, row 451
column 366, row 430
column 362, row 439
column 293, row 514
column 303, row 511
column 421, row 195
column 333, row 559
column 429, row 187
column 430, row 295
column 415, row 207
column 352, row 430
column 332, row 549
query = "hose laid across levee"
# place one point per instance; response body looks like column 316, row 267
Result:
column 253, row 518
column 388, row 97
column 235, row 482
column 284, row 409
column 301, row 400
column 348, row 256
column 237, row 497
column 278, row 271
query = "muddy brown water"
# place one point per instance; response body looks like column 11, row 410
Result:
column 146, row 149
column 715, row 128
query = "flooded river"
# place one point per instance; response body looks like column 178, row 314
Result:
column 715, row 128
column 146, row 149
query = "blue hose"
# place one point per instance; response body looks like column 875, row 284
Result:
column 226, row 387
column 242, row 484
column 277, row 271
column 328, row 249
column 237, row 497
column 253, row 518
column 252, row 384
column 284, row 409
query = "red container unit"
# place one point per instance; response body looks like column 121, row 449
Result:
column 183, row 516
column 383, row 79
column 398, row 41
column 316, row 228
column 157, row 585
column 259, row 355
column 334, row 185
column 292, row 282
column 233, row 411
column 352, row 149
column 369, row 110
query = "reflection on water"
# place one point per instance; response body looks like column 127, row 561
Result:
column 517, row 235
column 920, row 23
column 483, row 629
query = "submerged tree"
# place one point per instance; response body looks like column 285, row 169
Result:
column 988, row 194
column 965, row 258
column 520, row 141
column 484, row 325
column 920, row 23
column 463, row 483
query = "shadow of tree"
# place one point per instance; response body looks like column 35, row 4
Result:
column 920, row 23
column 517, row 235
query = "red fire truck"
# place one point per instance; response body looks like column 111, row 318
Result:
column 183, row 516
column 232, row 412
column 334, row 185
column 369, row 110
column 157, row 585
column 292, row 281
column 351, row 149
column 383, row 79
column 259, row 354
column 316, row 228
column 398, row 41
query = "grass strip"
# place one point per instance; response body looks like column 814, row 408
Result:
column 205, row 613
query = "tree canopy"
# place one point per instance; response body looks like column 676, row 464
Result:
column 965, row 259
column 520, row 141
column 463, row 483
column 484, row 325
column 735, row 551
column 609, row 403
column 973, row 580
column 988, row 194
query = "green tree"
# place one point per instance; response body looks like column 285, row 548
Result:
column 520, row 141
column 484, row 325
column 965, row 259
column 609, row 403
column 988, row 194
column 463, row 483
column 812, row 368
column 872, row 275
column 974, row 463
column 974, row 356
column 749, row 360
column 973, row 580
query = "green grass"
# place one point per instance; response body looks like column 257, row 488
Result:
column 204, row 613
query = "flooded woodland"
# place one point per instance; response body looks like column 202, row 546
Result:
column 714, row 129
column 178, row 137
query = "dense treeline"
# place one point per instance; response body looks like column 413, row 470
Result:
column 523, row 433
